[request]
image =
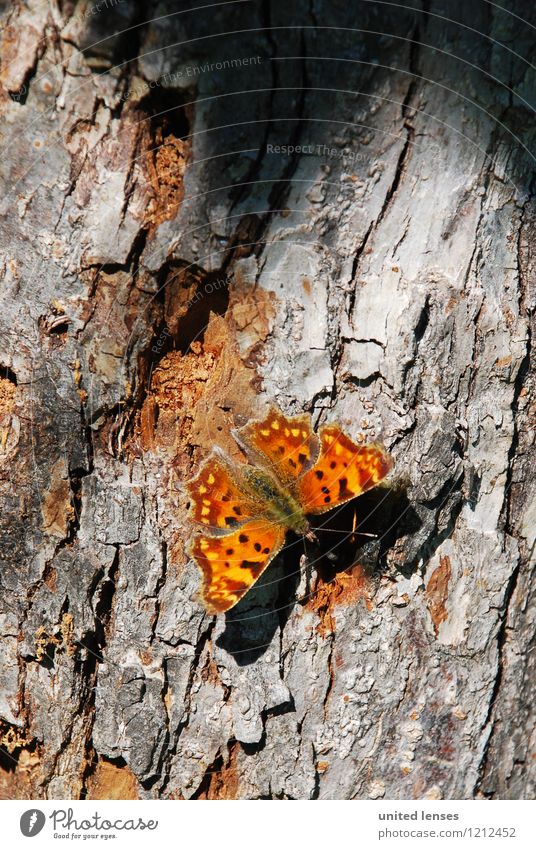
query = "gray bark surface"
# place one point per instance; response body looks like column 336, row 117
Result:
column 164, row 273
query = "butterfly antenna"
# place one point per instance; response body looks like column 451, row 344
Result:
column 353, row 533
column 348, row 533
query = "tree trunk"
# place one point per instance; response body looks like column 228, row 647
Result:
column 169, row 265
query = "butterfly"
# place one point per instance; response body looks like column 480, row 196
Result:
column 243, row 510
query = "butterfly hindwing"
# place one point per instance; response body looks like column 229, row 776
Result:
column 343, row 471
column 286, row 446
column 232, row 563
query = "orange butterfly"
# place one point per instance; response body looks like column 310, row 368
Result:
column 248, row 508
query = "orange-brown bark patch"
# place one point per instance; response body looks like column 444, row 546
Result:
column 51, row 579
column 345, row 588
column 9, row 424
column 223, row 783
column 166, row 166
column 109, row 781
column 8, row 392
column 437, row 592
column 147, row 423
column 57, row 508
column 21, row 778
column 194, row 398
column 210, row 672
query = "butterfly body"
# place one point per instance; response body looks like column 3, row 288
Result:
column 280, row 506
column 243, row 510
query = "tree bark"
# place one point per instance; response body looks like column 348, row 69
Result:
column 169, row 265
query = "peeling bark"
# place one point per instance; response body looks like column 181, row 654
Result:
column 167, row 268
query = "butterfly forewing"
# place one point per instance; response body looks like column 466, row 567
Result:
column 287, row 447
column 343, row 471
column 232, row 563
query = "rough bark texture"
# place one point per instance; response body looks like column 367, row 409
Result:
column 165, row 272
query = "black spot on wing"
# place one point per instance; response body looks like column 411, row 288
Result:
column 243, row 538
column 230, row 521
column 320, row 474
column 344, row 492
column 235, row 587
column 250, row 564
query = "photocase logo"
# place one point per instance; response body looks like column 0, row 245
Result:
column 31, row 822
